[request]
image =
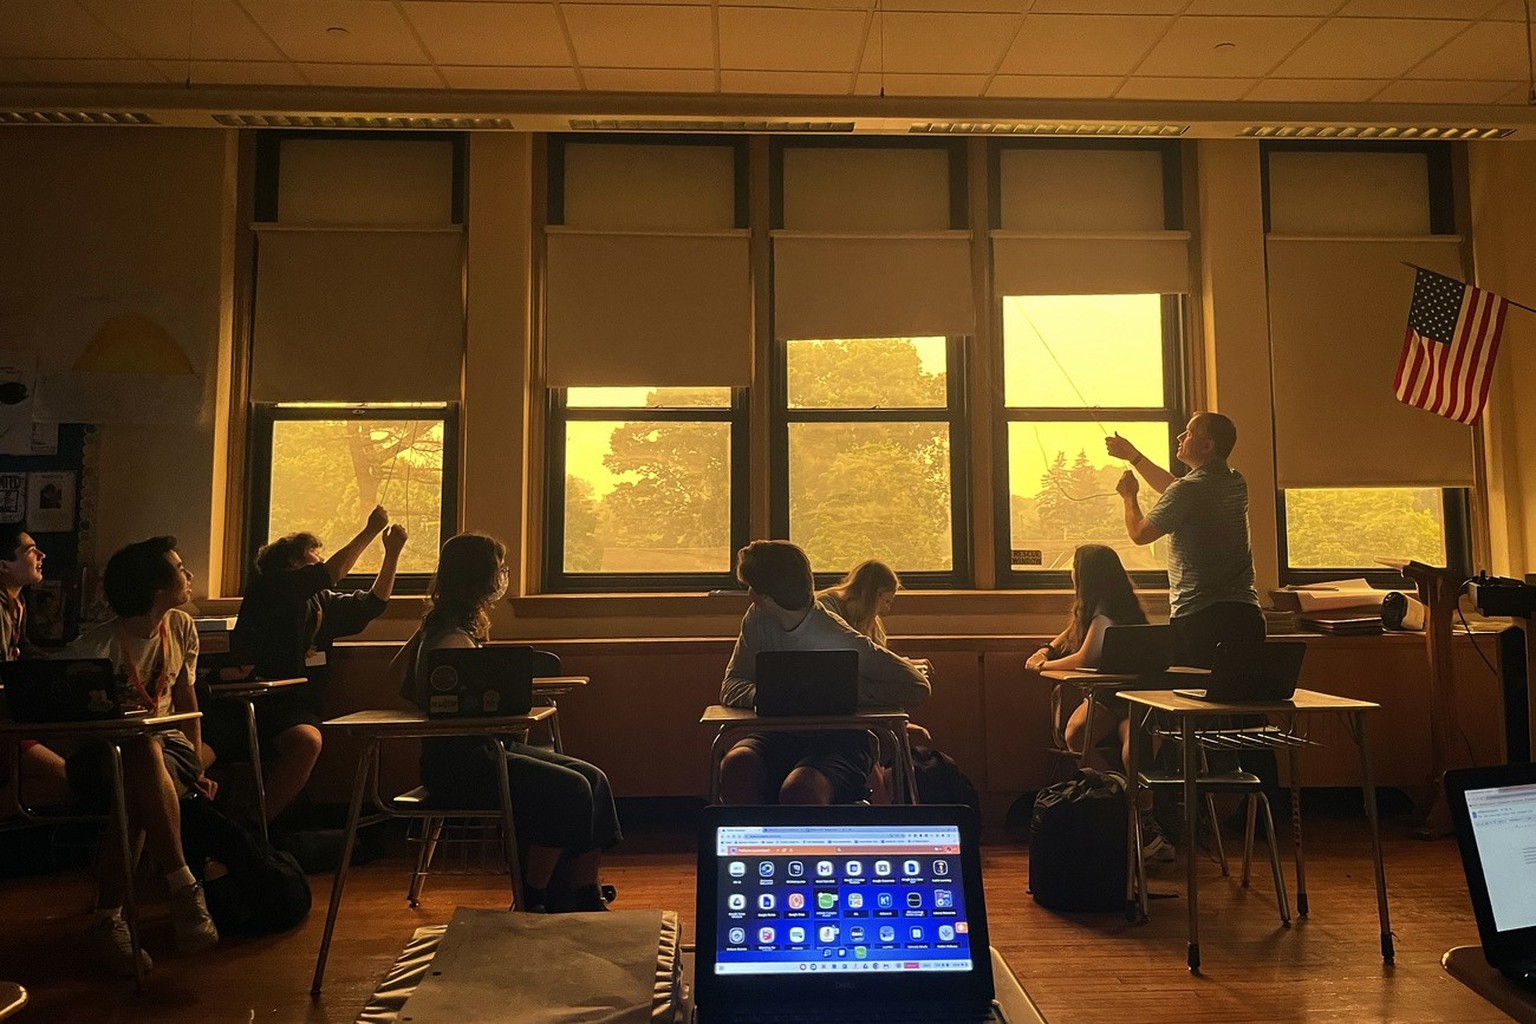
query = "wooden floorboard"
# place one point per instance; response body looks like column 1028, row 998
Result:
column 1078, row 967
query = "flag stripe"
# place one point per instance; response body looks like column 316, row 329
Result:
column 1450, row 378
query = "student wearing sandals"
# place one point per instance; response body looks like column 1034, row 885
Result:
column 564, row 806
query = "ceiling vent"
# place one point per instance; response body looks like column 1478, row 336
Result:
column 609, row 124
column 74, row 117
column 1021, row 128
column 356, row 121
column 1370, row 131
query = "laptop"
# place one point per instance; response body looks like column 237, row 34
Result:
column 807, row 682
column 1135, row 650
column 63, row 690
column 1252, row 670
column 1494, row 813
column 471, row 682
column 842, row 913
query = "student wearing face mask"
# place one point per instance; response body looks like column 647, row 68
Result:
column 563, row 806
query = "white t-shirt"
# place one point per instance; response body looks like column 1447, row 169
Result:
column 145, row 657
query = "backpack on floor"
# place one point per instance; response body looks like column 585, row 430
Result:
column 251, row 888
column 940, row 780
column 1077, row 843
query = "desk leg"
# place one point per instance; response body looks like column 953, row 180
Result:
column 908, row 770
column 1089, row 742
column 1356, row 722
column 1294, row 754
column 253, row 741
column 365, row 764
column 1191, row 848
column 508, row 828
column 120, row 821
column 716, row 755
column 554, row 730
column 1135, row 869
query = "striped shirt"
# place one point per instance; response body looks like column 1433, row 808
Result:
column 1205, row 515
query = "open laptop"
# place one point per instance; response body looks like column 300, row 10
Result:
column 472, row 682
column 1135, row 650
column 807, row 682
column 63, row 690
column 1252, row 671
column 843, row 913
column 1494, row 812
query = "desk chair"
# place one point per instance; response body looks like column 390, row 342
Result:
column 13, row 998
column 246, row 693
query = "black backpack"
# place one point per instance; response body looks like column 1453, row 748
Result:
column 251, row 888
column 940, row 780
column 1077, row 843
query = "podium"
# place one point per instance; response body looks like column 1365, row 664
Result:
column 1438, row 589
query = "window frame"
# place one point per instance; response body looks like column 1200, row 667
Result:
column 1456, row 502
column 258, row 511
column 956, row 411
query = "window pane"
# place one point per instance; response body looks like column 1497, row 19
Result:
column 871, row 490
column 328, row 474
column 647, row 497
column 867, row 373
column 1384, row 522
column 1061, row 493
column 1067, row 351
column 648, row 398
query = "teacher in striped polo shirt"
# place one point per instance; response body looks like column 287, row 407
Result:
column 1204, row 515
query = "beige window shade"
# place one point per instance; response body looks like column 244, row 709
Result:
column 872, row 286
column 617, row 187
column 1338, row 312
column 358, row 316
column 365, row 181
column 829, row 188
column 638, row 309
column 1072, row 190
column 1370, row 195
column 1131, row 263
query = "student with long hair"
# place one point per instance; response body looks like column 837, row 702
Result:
column 862, row 596
column 564, row 806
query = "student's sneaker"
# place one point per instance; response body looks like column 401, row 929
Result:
column 112, row 946
column 189, row 918
column 1155, row 847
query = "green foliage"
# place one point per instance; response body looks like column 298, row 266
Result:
column 1330, row 528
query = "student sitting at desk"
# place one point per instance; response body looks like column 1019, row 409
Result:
column 289, row 617
column 21, row 566
column 153, row 646
column 563, row 805
column 823, row 768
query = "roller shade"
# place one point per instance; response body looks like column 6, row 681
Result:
column 1134, row 263
column 872, row 286
column 629, row 309
column 1338, row 311
column 358, row 316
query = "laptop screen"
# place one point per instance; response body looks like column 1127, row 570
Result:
column 1503, row 820
column 801, row 898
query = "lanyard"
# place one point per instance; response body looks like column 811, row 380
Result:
column 16, row 616
column 152, row 701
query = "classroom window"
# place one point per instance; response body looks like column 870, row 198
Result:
column 1077, row 368
column 644, row 493
column 321, row 468
column 1426, row 524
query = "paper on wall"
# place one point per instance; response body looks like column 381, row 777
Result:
column 18, row 371
column 51, row 502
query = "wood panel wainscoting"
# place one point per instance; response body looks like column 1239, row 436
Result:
column 639, row 718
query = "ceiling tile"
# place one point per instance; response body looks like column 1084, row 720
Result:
column 1520, row 94
column 65, row 72
column 1466, row 9
column 943, row 6
column 652, row 3
column 512, row 79
column 13, row 71
column 158, row 29
column 921, row 85
column 1488, row 50
column 1282, row 8
column 375, row 32
column 46, row 28
column 1509, row 10
column 940, row 43
column 784, row 40
column 233, row 72
column 1225, row 47
column 1072, row 44
column 487, row 34
column 1315, row 90
column 1153, row 88
column 648, row 80
column 1054, row 86
column 1416, row 91
column 641, row 36
column 786, row 83
column 1367, row 47
column 1108, row 6
column 373, row 76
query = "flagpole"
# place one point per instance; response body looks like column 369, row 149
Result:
column 1512, row 302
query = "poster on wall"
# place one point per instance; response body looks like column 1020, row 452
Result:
column 17, row 384
column 45, row 611
column 13, row 497
column 51, row 502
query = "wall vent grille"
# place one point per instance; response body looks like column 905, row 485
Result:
column 1370, row 131
column 396, row 123
column 74, row 117
column 615, row 124
column 1026, row 128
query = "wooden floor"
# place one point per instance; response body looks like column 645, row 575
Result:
column 1077, row 967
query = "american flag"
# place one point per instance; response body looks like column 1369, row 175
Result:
column 1453, row 337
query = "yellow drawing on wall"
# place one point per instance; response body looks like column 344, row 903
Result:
column 133, row 343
